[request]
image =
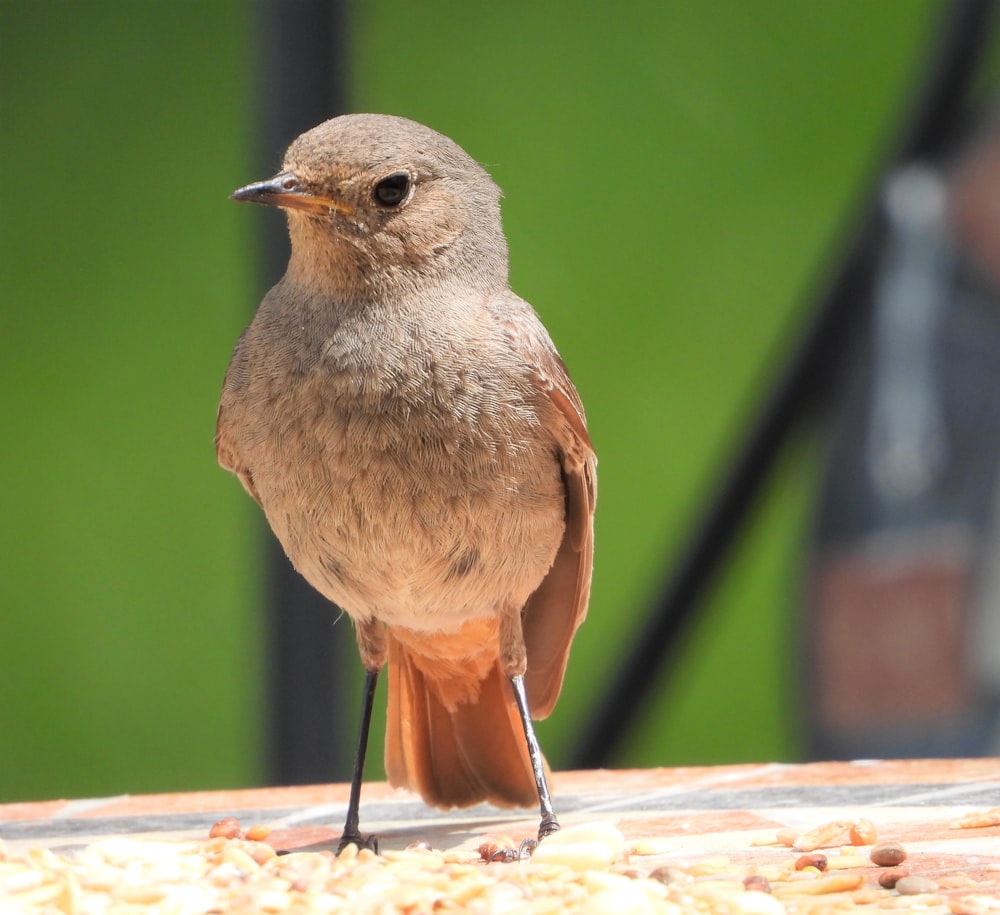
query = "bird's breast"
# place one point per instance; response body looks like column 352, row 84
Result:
column 406, row 482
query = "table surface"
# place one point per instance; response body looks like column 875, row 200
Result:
column 693, row 813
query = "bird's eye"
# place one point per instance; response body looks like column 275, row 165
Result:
column 392, row 191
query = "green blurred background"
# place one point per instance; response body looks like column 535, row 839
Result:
column 677, row 175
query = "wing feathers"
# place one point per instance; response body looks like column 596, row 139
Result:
column 559, row 605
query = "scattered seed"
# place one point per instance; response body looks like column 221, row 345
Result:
column 821, row 836
column 590, row 872
column 633, row 873
column 257, row 833
column 758, row 883
column 843, row 862
column 658, row 845
column 914, row 885
column 840, row 882
column 974, row 904
column 750, row 904
column 23, row 881
column 888, row 854
column 978, row 820
column 668, row 874
column 813, row 859
column 227, row 828
column 236, row 856
column 889, row 878
column 863, row 832
column 584, row 847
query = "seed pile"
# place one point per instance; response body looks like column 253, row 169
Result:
column 587, row 869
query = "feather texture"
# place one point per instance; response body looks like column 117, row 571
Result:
column 452, row 731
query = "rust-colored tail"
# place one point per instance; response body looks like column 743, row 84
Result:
column 453, row 733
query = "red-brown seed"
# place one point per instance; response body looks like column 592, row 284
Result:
column 667, row 874
column 888, row 878
column 226, row 828
column 813, row 859
column 888, row 854
column 757, row 882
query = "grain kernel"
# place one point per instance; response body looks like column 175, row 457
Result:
column 974, row 904
column 591, row 845
column 754, row 904
column 978, row 820
column 261, row 853
column 840, row 882
column 863, row 832
column 581, row 856
column 786, row 836
column 824, row 835
column 599, row 831
column 238, row 858
column 845, row 862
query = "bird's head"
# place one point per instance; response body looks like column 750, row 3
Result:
column 375, row 201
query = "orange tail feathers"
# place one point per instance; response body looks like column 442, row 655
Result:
column 453, row 733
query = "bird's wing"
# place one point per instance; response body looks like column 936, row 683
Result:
column 559, row 604
column 227, row 454
column 226, row 449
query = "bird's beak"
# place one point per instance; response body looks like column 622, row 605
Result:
column 286, row 191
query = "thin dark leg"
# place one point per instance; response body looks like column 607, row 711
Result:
column 352, row 831
column 549, row 823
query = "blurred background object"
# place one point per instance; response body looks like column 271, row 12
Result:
column 677, row 180
column 885, row 652
column 904, row 641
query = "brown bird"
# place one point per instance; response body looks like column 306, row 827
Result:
column 419, row 450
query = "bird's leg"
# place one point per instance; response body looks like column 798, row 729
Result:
column 549, row 824
column 514, row 659
column 352, row 832
column 371, row 643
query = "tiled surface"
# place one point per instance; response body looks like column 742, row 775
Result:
column 693, row 813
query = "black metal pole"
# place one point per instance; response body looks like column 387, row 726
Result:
column 301, row 82
column 937, row 117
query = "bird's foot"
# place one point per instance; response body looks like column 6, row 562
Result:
column 359, row 841
column 508, row 854
column 526, row 849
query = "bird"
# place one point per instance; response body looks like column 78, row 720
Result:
column 414, row 439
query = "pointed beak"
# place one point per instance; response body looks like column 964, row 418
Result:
column 286, row 191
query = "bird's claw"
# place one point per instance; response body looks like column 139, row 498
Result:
column 506, row 855
column 358, row 840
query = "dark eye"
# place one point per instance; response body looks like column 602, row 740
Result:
column 392, row 191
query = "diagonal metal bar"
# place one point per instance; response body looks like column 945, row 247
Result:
column 937, row 117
